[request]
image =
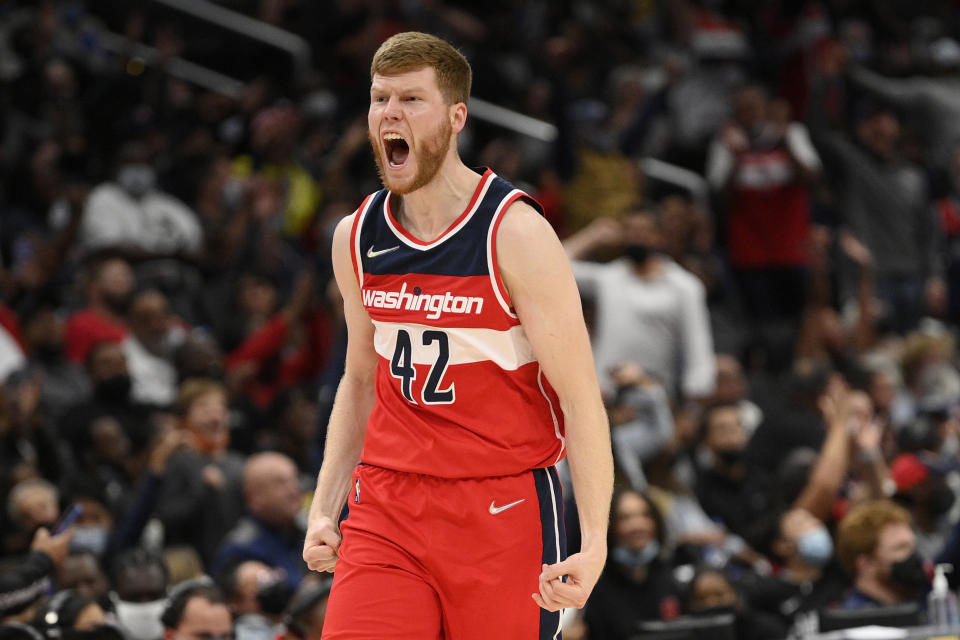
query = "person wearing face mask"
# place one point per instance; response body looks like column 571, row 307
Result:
column 201, row 495
column 876, row 546
column 131, row 214
column 712, row 593
column 140, row 581
column 730, row 487
column 809, row 577
column 649, row 309
column 64, row 382
column 637, row 583
column 109, row 375
column 927, row 496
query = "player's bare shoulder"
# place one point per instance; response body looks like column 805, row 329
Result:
column 523, row 233
column 529, row 254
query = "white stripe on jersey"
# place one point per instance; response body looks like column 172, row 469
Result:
column 508, row 349
column 358, row 254
column 491, row 266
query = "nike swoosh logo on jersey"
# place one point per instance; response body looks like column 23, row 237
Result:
column 373, row 254
column 494, row 510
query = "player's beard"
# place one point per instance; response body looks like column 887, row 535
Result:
column 429, row 157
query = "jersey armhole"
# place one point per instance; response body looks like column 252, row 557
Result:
column 355, row 255
column 503, row 297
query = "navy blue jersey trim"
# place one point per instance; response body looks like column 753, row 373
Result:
column 547, row 483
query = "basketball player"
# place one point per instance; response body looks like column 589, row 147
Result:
column 468, row 376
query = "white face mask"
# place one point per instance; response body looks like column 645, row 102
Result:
column 141, row 620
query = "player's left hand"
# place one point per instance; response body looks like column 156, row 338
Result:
column 582, row 570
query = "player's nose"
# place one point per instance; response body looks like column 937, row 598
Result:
column 392, row 110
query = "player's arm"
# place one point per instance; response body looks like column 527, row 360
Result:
column 348, row 419
column 540, row 282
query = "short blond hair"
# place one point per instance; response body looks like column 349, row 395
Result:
column 859, row 531
column 194, row 388
column 413, row 50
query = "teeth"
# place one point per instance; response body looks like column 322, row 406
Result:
column 392, row 136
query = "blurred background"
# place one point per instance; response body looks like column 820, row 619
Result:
column 761, row 200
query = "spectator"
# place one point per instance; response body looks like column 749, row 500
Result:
column 81, row 572
column 761, row 162
column 294, row 416
column 130, row 214
column 927, row 496
column 197, row 609
column 289, row 348
column 64, row 382
column 257, row 596
column 68, row 611
column 877, row 548
column 109, row 289
column 140, row 582
column 22, row 585
column 712, row 593
column 31, row 504
column 733, row 388
column 809, row 578
column 887, row 206
column 149, row 349
column 731, row 489
column 110, row 377
column 271, row 532
column 641, row 422
column 201, row 495
column 304, row 617
column 649, row 310
column 636, row 583
column 29, row 447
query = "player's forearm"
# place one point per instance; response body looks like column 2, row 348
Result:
column 345, row 434
column 591, row 467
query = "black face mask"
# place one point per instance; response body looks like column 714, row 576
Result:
column 113, row 389
column 639, row 253
column 729, row 456
column 118, row 303
column 49, row 352
column 909, row 573
column 941, row 500
column 274, row 598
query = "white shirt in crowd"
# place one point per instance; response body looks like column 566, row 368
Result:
column 660, row 323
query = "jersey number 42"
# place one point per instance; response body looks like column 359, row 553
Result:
column 401, row 367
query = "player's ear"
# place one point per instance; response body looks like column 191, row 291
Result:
column 458, row 116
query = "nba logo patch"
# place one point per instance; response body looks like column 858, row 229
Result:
column 356, row 492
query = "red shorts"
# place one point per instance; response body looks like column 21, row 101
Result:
column 426, row 558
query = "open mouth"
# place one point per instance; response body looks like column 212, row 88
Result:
column 396, row 148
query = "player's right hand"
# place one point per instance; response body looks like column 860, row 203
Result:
column 322, row 544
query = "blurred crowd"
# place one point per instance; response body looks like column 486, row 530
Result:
column 761, row 201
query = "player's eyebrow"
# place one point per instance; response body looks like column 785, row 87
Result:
column 380, row 88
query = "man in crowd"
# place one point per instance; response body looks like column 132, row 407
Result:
column 197, row 610
column 877, row 547
column 270, row 532
column 649, row 310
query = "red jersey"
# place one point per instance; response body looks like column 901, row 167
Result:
column 459, row 393
column 768, row 220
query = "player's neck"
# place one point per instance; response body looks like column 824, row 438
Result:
column 429, row 211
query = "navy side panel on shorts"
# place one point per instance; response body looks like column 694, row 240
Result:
column 554, row 537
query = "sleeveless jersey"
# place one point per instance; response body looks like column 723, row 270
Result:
column 459, row 393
